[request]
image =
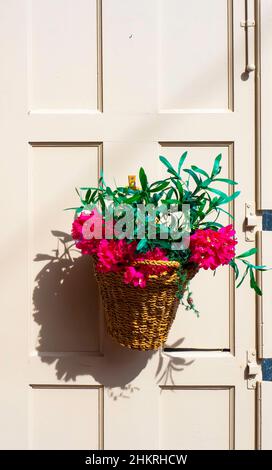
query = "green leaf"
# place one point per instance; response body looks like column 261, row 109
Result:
column 250, row 252
column 88, row 195
column 211, row 224
column 216, row 166
column 70, row 209
column 258, row 267
column 109, row 191
column 79, row 210
column 199, row 170
column 244, row 275
column 225, row 180
column 160, row 187
column 85, row 188
column 226, row 212
column 101, row 181
column 181, row 161
column 179, row 187
column 218, row 192
column 173, row 172
column 253, row 283
column 229, row 198
column 102, row 202
column 206, row 183
column 194, row 176
column 142, row 244
column 167, row 163
column 170, row 201
column 235, row 267
column 169, row 194
column 134, row 198
column 143, row 179
column 79, row 195
column 93, row 196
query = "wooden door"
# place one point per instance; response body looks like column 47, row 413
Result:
column 88, row 84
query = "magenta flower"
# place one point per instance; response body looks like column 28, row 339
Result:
column 155, row 254
column 134, row 277
column 210, row 249
column 82, row 232
column 114, row 255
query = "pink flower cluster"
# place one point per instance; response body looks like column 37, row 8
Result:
column 115, row 255
column 211, row 249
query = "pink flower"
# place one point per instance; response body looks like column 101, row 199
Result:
column 134, row 277
column 78, row 223
column 114, row 255
column 210, row 249
column 89, row 229
column 82, row 231
column 155, row 254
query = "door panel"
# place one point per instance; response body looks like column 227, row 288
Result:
column 90, row 83
column 190, row 59
column 63, row 55
column 205, row 413
column 49, row 405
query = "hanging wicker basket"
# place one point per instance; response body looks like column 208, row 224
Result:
column 140, row 318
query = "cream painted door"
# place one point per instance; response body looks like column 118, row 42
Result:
column 115, row 83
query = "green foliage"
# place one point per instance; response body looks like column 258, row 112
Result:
column 194, row 186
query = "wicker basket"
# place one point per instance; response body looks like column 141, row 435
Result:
column 140, row 318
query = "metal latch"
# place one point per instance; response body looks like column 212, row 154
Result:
column 247, row 24
column 253, row 222
column 253, row 369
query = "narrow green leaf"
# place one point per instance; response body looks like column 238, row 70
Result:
column 206, row 183
column 85, row 188
column 109, row 191
column 166, row 163
column 143, row 179
column 169, row 167
column 160, row 187
column 70, row 209
column 229, row 198
column 211, row 224
column 134, row 198
column 194, row 176
column 253, row 283
column 92, row 198
column 170, row 201
column 142, row 244
column 181, row 161
column 226, row 212
column 243, row 277
column 88, row 195
column 199, row 170
column 218, row 192
column 79, row 210
column 179, row 187
column 255, row 266
column 102, row 202
column 169, row 194
column 78, row 193
column 225, row 180
column 235, row 267
column 216, row 166
column 250, row 252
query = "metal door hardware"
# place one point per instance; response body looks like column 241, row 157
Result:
column 246, row 24
column 253, row 221
column 253, row 369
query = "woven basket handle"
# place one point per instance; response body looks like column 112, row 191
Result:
column 157, row 262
